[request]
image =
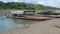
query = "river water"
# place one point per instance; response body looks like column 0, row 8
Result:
column 10, row 23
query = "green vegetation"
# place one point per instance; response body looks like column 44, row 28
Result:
column 24, row 6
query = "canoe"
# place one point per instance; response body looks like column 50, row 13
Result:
column 38, row 17
column 33, row 17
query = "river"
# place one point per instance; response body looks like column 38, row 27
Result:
column 10, row 23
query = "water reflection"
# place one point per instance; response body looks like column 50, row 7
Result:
column 23, row 22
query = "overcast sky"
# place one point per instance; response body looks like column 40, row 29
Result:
column 53, row 3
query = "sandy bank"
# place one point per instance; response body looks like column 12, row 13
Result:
column 44, row 27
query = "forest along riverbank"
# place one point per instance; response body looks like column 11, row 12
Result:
column 44, row 27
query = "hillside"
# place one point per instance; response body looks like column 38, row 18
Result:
column 24, row 6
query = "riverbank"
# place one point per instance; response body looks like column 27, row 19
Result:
column 44, row 27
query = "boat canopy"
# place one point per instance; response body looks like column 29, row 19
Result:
column 17, row 12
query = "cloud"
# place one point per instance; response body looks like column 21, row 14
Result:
column 53, row 3
column 26, row 1
column 15, row 0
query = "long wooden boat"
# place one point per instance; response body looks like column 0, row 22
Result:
column 38, row 17
column 33, row 17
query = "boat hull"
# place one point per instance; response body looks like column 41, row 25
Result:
column 38, row 17
column 33, row 17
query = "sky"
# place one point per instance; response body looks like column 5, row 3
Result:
column 53, row 3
